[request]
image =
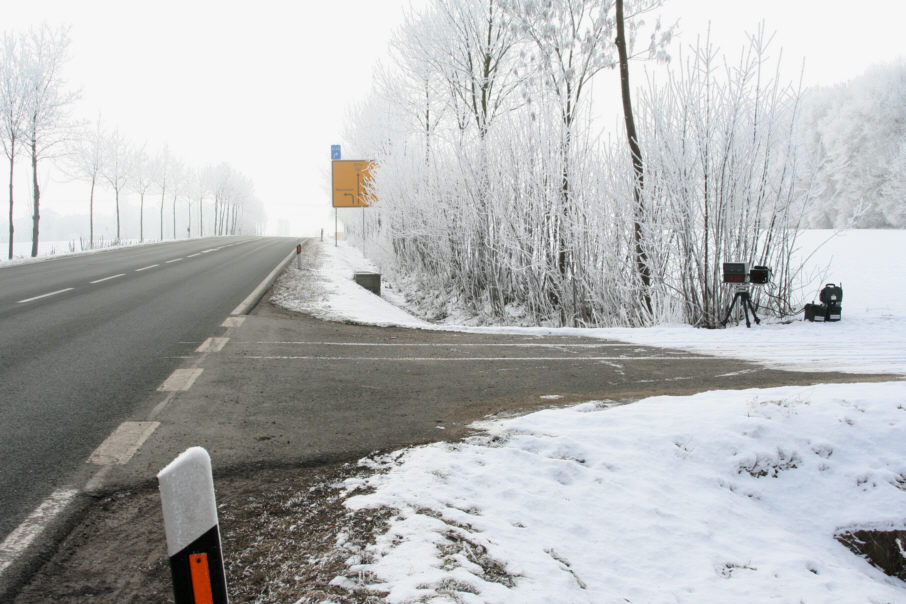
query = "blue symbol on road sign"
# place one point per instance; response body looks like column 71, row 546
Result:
column 335, row 152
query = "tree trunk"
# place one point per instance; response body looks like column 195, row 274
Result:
column 91, row 216
column 141, row 218
column 174, row 216
column 11, row 227
column 116, row 192
column 162, row 193
column 641, row 258
column 36, row 216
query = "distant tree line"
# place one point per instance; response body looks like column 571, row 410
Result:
column 37, row 124
column 497, row 196
column 854, row 135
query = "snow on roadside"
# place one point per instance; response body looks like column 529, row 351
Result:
column 866, row 340
column 326, row 290
column 49, row 250
column 721, row 496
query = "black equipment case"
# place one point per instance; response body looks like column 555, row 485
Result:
column 831, row 307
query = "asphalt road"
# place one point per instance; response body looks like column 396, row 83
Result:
column 83, row 339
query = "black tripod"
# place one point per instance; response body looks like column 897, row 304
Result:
column 742, row 295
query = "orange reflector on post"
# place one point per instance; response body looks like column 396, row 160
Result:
column 201, row 579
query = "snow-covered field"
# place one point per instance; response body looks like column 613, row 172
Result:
column 722, row 496
column 54, row 249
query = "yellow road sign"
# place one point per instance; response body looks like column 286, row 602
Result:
column 352, row 183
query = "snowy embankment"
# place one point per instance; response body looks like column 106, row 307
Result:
column 720, row 496
column 48, row 250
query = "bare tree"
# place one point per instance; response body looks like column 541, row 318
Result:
column 161, row 176
column 200, row 185
column 416, row 87
column 116, row 168
column 142, row 179
column 177, row 187
column 86, row 159
column 48, row 104
column 571, row 45
column 721, row 165
column 13, row 110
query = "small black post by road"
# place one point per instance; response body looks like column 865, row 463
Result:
column 742, row 295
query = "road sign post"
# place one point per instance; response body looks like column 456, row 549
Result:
column 351, row 188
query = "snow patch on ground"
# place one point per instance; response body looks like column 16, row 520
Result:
column 49, row 250
column 721, row 496
column 324, row 288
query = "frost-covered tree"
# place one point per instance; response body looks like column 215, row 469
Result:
column 13, row 109
column 179, row 185
column 720, row 174
column 200, row 184
column 47, row 104
column 570, row 43
column 529, row 216
column 162, row 170
column 117, row 168
column 86, row 159
column 141, row 181
column 853, row 134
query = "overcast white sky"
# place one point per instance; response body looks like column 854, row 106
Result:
column 265, row 85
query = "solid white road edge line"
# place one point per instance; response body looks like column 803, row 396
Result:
column 249, row 303
column 232, row 322
column 108, row 278
column 59, row 291
column 32, row 527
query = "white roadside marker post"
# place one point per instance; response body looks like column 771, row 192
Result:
column 193, row 534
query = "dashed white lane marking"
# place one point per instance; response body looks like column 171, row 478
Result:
column 209, row 251
column 122, row 444
column 180, row 380
column 212, row 345
column 31, row 528
column 233, row 322
column 59, row 291
column 108, row 278
column 572, row 359
column 193, row 255
column 138, row 270
column 448, row 344
column 172, row 261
